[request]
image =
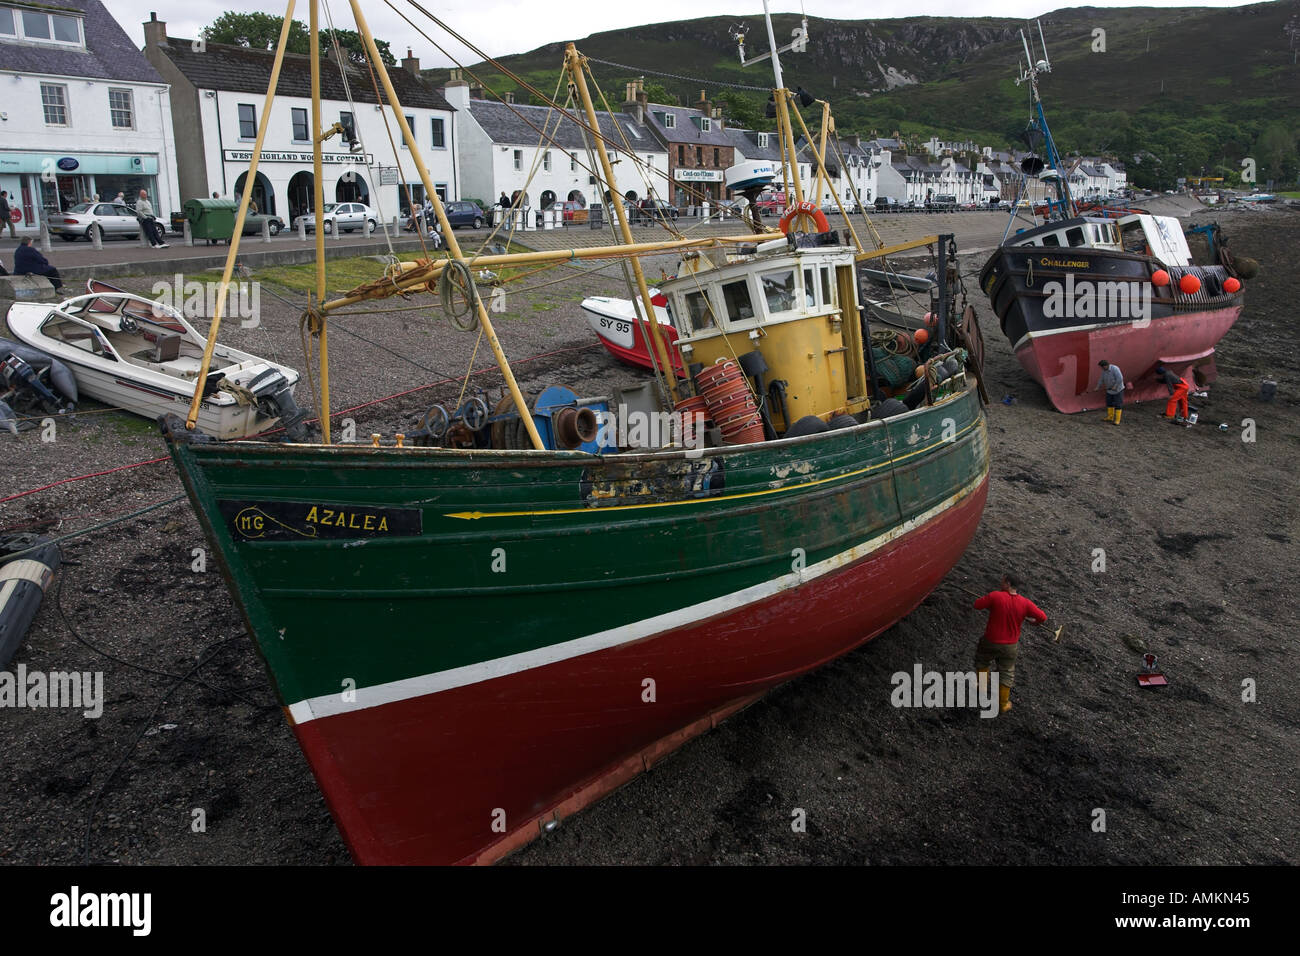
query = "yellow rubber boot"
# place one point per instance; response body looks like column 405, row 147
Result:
column 1110, row 414
column 1118, row 413
column 1004, row 695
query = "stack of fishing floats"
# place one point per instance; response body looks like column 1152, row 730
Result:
column 731, row 403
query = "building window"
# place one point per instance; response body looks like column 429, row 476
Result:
column 519, row 159
column 573, row 162
column 247, row 121
column 762, row 141
column 699, row 155
column 43, row 27
column 670, row 121
column 410, row 124
column 706, row 124
column 681, row 155
column 546, row 160
column 54, row 100
column 716, row 158
column 439, row 133
column 121, row 109
column 300, row 133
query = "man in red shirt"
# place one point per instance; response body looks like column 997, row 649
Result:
column 1001, row 641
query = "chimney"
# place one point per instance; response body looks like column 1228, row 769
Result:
column 854, row 140
column 476, row 91
column 155, row 31
column 508, row 96
column 704, row 106
column 633, row 103
column 457, row 91
column 641, row 96
column 412, row 63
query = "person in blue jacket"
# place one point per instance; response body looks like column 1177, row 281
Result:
column 29, row 261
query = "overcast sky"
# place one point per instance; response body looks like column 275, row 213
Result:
column 502, row 27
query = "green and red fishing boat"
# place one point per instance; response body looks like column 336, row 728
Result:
column 472, row 640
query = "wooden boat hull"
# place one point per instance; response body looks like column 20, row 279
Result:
column 487, row 661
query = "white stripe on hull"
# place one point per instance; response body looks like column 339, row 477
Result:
column 377, row 695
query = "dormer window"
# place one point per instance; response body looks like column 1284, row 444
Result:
column 762, row 141
column 41, row 27
column 670, row 121
column 705, row 123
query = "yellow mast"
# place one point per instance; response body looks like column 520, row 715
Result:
column 453, row 247
column 574, row 65
column 192, row 418
column 318, row 202
column 787, row 143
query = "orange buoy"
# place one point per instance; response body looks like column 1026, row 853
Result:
column 1160, row 278
column 920, row 370
column 808, row 209
column 1231, row 285
column 931, row 320
column 920, row 336
column 1189, row 285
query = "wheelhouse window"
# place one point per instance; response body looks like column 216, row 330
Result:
column 1051, row 239
column 810, row 288
column 247, row 121
column 828, row 287
column 779, row 290
column 699, row 312
column 735, row 295
column 1074, row 236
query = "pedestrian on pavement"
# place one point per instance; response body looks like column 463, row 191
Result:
column 503, row 200
column 1176, row 408
column 1001, row 641
column 148, row 221
column 120, row 197
column 7, row 213
column 1112, row 380
column 28, row 261
column 216, row 195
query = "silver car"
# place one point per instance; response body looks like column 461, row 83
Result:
column 108, row 218
column 347, row 216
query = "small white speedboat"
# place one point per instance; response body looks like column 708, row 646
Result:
column 134, row 353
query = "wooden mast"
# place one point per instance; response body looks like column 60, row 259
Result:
column 573, row 62
column 191, row 419
column 453, row 247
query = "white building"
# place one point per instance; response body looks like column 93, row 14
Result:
column 83, row 113
column 219, row 91
column 504, row 150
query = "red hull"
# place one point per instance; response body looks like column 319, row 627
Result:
column 422, row 781
column 1065, row 363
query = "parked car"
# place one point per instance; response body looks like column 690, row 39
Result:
column 942, row 203
column 886, row 204
column 648, row 210
column 464, row 213
column 347, row 216
column 770, row 202
column 575, row 211
column 253, row 224
column 109, row 219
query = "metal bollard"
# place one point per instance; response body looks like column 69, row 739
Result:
column 338, row 233
column 45, row 237
column 302, row 230
column 188, row 233
column 97, row 239
column 266, row 229
column 144, row 235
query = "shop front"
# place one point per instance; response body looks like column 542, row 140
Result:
column 693, row 186
column 41, row 185
column 285, row 183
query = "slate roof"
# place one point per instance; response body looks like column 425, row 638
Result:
column 222, row 66
column 506, row 125
column 685, row 131
column 746, row 143
column 109, row 52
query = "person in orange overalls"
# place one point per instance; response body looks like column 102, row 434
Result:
column 1178, row 389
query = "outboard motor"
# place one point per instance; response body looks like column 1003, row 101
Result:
column 275, row 400
column 19, row 376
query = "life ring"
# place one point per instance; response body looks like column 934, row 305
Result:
column 805, row 208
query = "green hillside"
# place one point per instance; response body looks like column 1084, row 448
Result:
column 1192, row 90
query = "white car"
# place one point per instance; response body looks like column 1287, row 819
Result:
column 347, row 216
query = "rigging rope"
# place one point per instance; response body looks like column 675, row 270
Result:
column 678, row 76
